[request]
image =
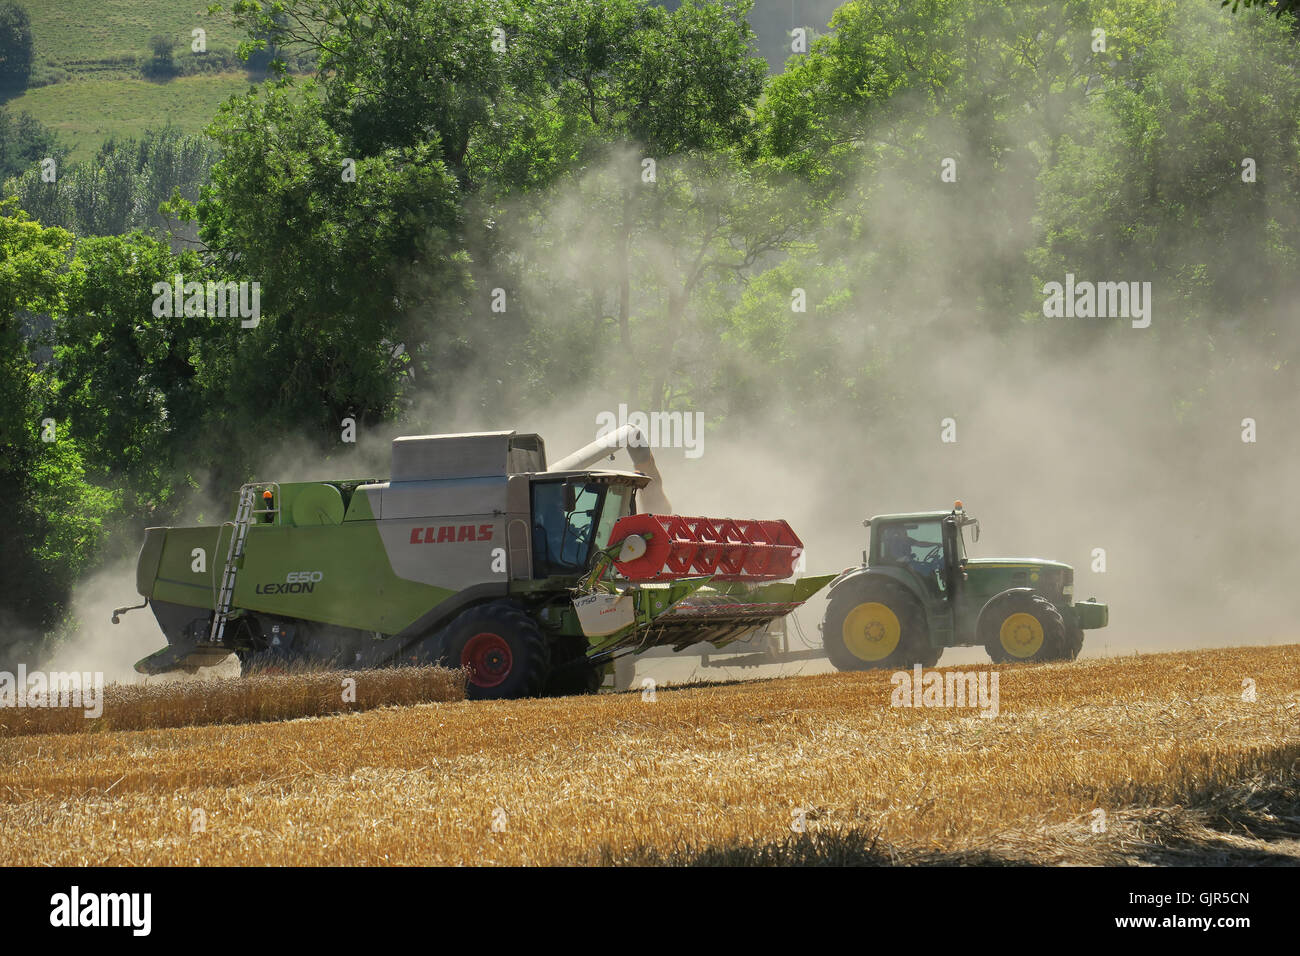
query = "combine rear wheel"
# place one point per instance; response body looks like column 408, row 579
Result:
column 875, row 624
column 502, row 650
column 1024, row 627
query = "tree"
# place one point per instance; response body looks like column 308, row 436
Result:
column 162, row 64
column 57, row 518
column 25, row 141
column 1279, row 6
column 16, row 47
column 122, row 187
column 126, row 378
column 453, row 114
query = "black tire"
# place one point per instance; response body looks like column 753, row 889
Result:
column 1007, row 640
column 501, row 647
column 571, row 672
column 1075, row 642
column 840, row 623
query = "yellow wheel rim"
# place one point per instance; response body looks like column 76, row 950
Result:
column 871, row 631
column 1021, row 635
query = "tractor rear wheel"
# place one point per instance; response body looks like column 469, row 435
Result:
column 876, row 624
column 1023, row 627
column 502, row 650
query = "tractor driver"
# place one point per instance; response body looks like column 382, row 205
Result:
column 899, row 547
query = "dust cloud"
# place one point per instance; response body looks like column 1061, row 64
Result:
column 1075, row 438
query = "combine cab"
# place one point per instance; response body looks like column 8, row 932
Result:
column 472, row 554
column 917, row 592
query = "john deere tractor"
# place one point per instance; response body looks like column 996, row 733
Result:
column 917, row 592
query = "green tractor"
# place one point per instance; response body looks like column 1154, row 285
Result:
column 917, row 592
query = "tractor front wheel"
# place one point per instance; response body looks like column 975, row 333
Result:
column 876, row 625
column 501, row 649
column 1023, row 627
column 1075, row 643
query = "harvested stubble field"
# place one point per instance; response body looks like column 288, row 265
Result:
column 1184, row 768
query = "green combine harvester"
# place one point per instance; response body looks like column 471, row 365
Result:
column 473, row 553
column 917, row 592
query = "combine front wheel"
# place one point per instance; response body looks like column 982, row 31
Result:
column 501, row 649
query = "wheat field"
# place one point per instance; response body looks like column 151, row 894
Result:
column 1168, row 748
column 254, row 699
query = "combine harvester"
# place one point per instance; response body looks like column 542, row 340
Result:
column 472, row 554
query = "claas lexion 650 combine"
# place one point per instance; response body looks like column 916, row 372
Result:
column 473, row 553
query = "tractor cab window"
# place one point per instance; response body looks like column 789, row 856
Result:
column 562, row 536
column 916, row 544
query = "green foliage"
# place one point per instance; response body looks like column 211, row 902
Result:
column 1150, row 181
column 24, row 141
column 16, row 46
column 56, row 518
column 125, row 376
column 122, row 187
column 1278, row 7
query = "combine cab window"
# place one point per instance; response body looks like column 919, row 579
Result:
column 562, row 540
column 618, row 504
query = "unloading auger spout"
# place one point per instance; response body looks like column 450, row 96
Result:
column 638, row 448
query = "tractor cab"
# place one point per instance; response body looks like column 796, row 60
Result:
column 929, row 546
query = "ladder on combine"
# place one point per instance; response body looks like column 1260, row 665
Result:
column 244, row 515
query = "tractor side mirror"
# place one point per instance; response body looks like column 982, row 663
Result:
column 570, row 496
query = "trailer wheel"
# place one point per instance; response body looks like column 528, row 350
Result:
column 1023, row 627
column 502, row 649
column 875, row 624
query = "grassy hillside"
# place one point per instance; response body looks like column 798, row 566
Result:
column 97, row 36
column 1183, row 768
column 87, row 112
column 87, row 84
